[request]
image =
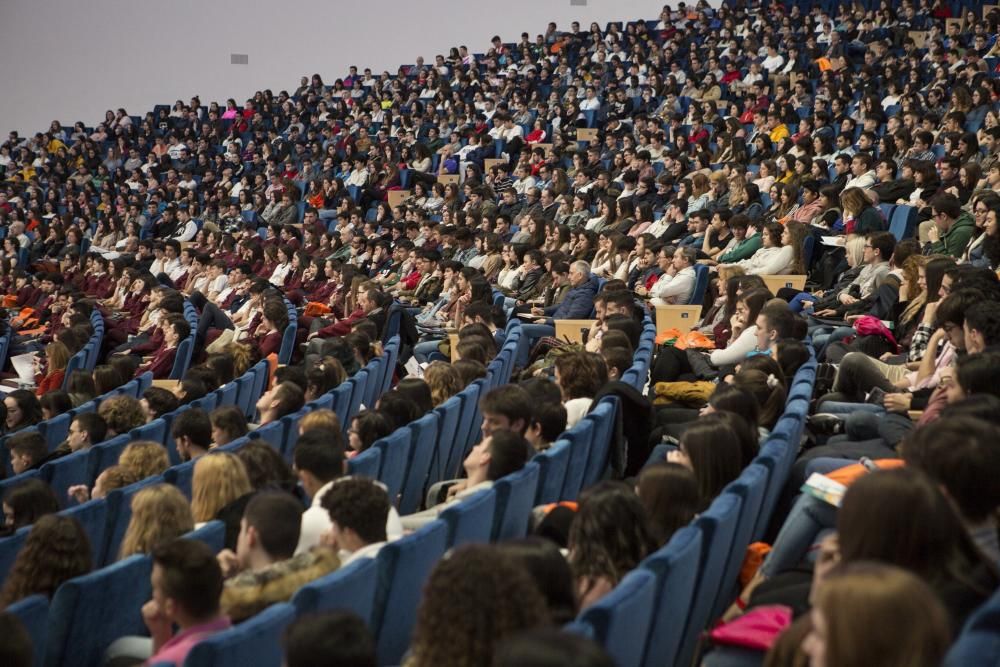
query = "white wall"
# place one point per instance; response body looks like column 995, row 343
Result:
column 73, row 59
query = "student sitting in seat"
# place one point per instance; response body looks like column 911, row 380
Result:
column 497, row 455
column 264, row 570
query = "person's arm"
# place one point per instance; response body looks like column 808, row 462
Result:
column 737, row 349
column 927, row 364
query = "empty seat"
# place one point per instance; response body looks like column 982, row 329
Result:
column 91, row 611
column 403, row 565
column 622, row 618
column 256, row 641
column 351, row 587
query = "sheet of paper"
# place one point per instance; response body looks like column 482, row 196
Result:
column 24, row 366
column 834, row 240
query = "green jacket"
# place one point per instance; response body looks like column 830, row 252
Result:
column 954, row 241
column 743, row 250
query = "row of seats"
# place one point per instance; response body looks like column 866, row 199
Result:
column 656, row 613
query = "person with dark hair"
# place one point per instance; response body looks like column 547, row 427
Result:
column 27, row 451
column 26, row 503
column 506, row 407
column 319, row 462
column 282, row 399
column 497, row 455
column 710, row 447
column 669, row 492
column 57, row 549
column 774, row 322
column 455, row 628
column 962, row 454
column 548, row 421
column 192, row 433
column 952, row 228
column 359, row 510
column 550, row 648
column 15, row 649
column 157, row 401
column 187, row 586
column 547, row 566
column 228, row 424
column 609, row 536
column 330, row 639
column 23, row 410
column 367, row 427
column 264, row 570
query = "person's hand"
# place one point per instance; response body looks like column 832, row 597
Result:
column 807, row 304
column 846, row 299
column 930, row 312
column 678, row 456
column 826, row 560
column 826, row 312
column 229, row 562
column 312, row 335
column 537, row 311
column 457, row 488
column 641, row 291
column 160, row 627
column 934, row 234
column 886, row 356
column 79, row 492
column 897, row 402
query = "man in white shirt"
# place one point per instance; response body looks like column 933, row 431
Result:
column 676, row 288
column 358, row 509
column 591, row 101
column 319, row 463
column 773, row 61
column 862, row 174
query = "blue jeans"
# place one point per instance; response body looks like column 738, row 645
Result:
column 808, row 518
column 823, row 336
column 845, row 408
column 796, row 303
column 423, row 351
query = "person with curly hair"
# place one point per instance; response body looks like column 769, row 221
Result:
column 443, row 380
column 473, row 601
column 57, row 549
column 121, row 414
column 609, row 537
column 160, row 513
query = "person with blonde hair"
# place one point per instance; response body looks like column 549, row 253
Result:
column 56, row 357
column 160, row 514
column 868, row 613
column 144, row 458
column 443, row 380
column 220, row 478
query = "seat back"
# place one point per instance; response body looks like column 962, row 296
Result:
column 621, row 619
column 342, row 403
column 270, row 433
column 471, row 521
column 750, row 487
column 424, row 439
column 91, row 611
column 56, row 430
column 67, row 471
column 448, row 413
column 261, row 373
column 404, row 566
column 93, row 517
column 581, row 438
column 552, row 466
column 33, row 612
column 288, row 343
column 470, row 404
column 515, row 499
column 106, row 454
column 395, row 453
column 772, row 455
column 181, row 476
column 256, row 641
column 700, row 285
column 979, row 638
column 373, row 386
column 718, row 526
column 212, row 533
column 119, row 503
column 182, row 359
column 227, row 394
column 365, row 464
column 10, row 546
column 360, row 382
column 155, row 430
column 676, row 570
column 351, row 587
column 392, row 357
column 603, row 417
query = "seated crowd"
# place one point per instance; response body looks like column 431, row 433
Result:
column 728, row 146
